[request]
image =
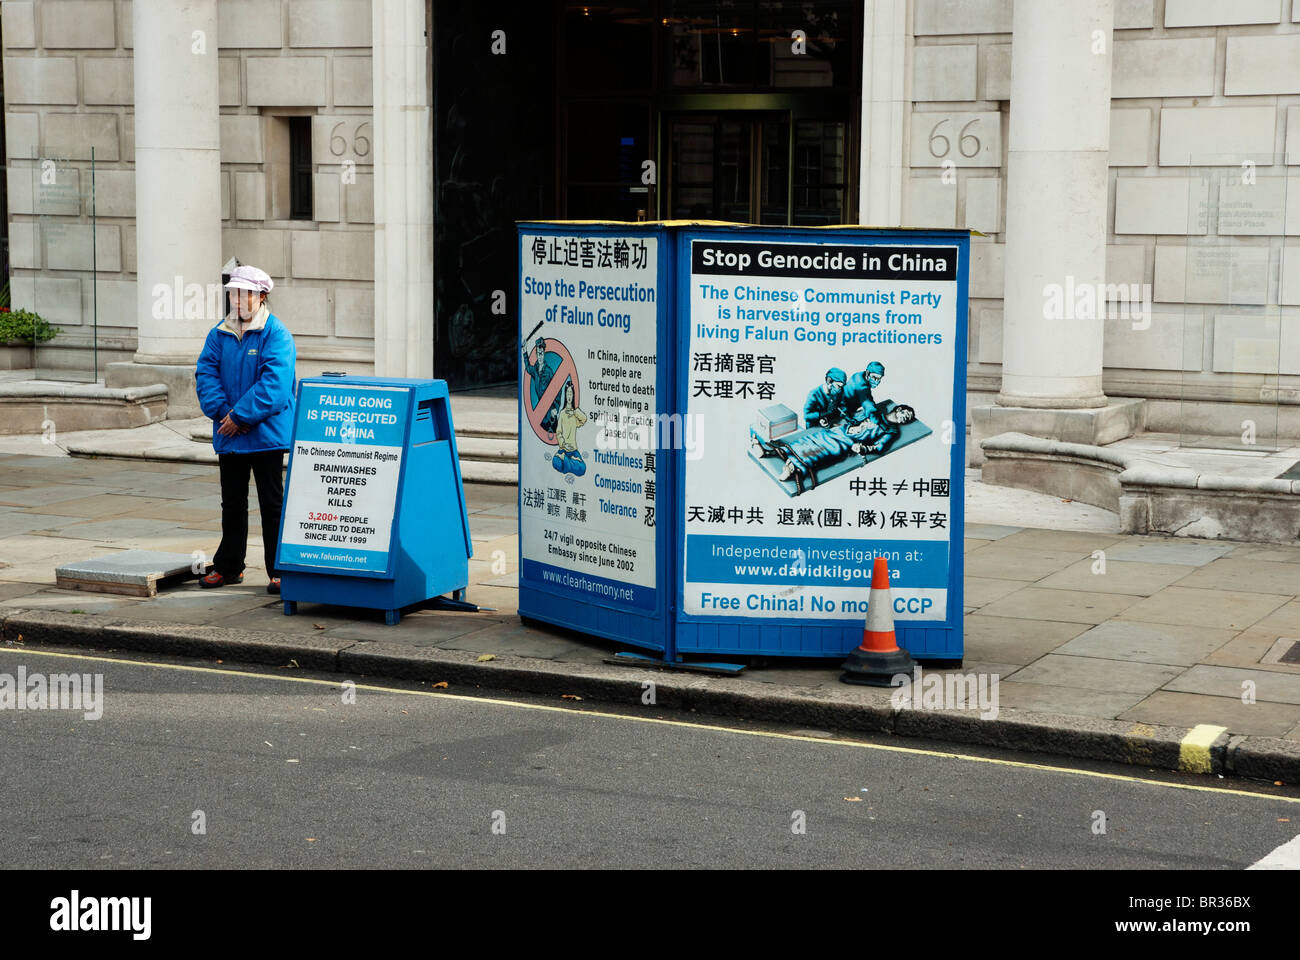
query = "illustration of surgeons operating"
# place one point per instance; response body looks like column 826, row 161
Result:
column 858, row 392
column 845, row 428
column 541, row 370
column 825, row 406
column 567, row 458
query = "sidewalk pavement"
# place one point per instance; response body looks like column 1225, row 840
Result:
column 1114, row 655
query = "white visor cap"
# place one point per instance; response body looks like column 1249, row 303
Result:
column 250, row 278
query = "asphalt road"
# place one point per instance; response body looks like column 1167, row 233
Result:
column 288, row 774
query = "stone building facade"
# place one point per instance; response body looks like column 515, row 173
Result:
column 1201, row 197
column 69, row 67
column 1149, row 146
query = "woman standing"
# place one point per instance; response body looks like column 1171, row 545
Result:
column 246, row 379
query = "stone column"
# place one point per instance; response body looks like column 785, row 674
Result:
column 1056, row 200
column 403, row 190
column 178, row 194
column 885, row 45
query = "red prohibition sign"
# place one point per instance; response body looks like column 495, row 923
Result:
column 565, row 372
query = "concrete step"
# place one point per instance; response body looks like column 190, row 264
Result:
column 486, row 471
column 493, row 449
column 39, row 406
column 476, row 414
column 1156, row 487
column 488, row 427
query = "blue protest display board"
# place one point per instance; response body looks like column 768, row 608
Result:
column 808, row 416
column 595, row 322
column 374, row 511
column 826, row 371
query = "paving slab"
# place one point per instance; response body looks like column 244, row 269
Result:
column 173, row 488
column 493, row 509
column 1256, row 576
column 1010, row 640
column 40, row 574
column 1012, row 563
column 479, row 493
column 36, row 495
column 782, row 676
column 1257, row 719
column 1249, row 648
column 206, row 501
column 198, row 606
column 1063, row 540
column 972, row 545
column 1074, row 606
column 187, row 540
column 420, row 628
column 1253, row 551
column 483, row 527
column 70, row 601
column 1228, row 609
column 181, row 511
column 990, row 531
column 9, row 591
column 515, row 639
column 1285, row 619
column 423, row 628
column 19, row 522
column 1090, row 673
column 1051, row 698
column 1116, row 576
column 979, row 591
column 506, row 543
column 97, row 507
column 28, row 548
column 271, row 619
column 42, row 570
column 503, row 600
column 1163, row 550
column 144, row 472
column 126, row 531
column 69, row 469
column 1178, row 645
column 1228, row 682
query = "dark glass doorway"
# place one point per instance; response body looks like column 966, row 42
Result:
column 756, row 167
column 640, row 109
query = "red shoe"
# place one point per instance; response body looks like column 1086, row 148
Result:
column 215, row 579
column 273, row 586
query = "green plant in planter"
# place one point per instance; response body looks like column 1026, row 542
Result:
column 24, row 328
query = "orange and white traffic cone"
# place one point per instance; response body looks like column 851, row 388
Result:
column 879, row 658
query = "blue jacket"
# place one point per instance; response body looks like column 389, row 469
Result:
column 254, row 381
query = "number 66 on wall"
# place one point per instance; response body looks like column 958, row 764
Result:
column 962, row 139
column 340, row 138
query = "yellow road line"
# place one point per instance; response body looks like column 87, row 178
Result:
column 572, row 711
column 1194, row 751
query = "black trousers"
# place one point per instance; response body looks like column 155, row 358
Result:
column 268, row 473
